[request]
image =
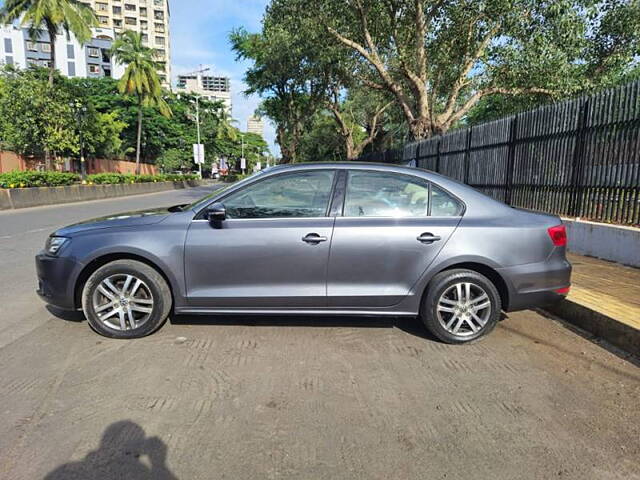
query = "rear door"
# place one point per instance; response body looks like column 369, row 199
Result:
column 392, row 227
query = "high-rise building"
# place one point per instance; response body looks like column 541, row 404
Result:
column 207, row 86
column 148, row 17
column 255, row 125
column 92, row 59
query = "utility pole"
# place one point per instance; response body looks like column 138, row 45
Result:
column 198, row 73
column 242, row 159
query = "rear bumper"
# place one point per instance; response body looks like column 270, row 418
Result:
column 55, row 280
column 537, row 284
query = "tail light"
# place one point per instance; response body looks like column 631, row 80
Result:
column 558, row 235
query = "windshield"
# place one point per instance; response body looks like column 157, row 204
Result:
column 203, row 201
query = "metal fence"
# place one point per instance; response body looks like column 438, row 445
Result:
column 578, row 158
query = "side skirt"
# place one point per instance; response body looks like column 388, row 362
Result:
column 258, row 311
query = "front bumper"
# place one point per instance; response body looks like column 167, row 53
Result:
column 56, row 280
column 537, row 284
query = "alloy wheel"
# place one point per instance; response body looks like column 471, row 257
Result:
column 464, row 309
column 122, row 302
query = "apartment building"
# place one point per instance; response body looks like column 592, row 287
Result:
column 207, row 86
column 148, row 17
column 255, row 125
column 72, row 59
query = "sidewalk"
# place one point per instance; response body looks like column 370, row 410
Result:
column 604, row 300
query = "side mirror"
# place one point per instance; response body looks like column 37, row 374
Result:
column 216, row 214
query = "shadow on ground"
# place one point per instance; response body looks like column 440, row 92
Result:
column 123, row 448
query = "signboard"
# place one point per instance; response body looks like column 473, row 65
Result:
column 198, row 153
column 243, row 163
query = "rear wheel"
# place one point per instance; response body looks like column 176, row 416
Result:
column 126, row 299
column 461, row 306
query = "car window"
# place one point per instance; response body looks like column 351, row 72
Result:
column 376, row 194
column 443, row 204
column 304, row 194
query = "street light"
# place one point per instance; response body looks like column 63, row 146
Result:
column 81, row 115
column 198, row 73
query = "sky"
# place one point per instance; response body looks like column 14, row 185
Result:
column 199, row 35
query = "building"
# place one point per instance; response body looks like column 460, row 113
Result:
column 148, row 17
column 72, row 59
column 255, row 125
column 207, row 86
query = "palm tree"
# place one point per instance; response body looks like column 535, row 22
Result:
column 140, row 78
column 52, row 15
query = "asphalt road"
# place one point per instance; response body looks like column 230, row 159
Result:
column 304, row 398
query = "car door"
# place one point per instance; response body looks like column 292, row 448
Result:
column 392, row 227
column 272, row 249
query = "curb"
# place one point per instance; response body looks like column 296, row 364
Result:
column 616, row 333
column 16, row 198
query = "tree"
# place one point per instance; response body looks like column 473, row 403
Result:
column 53, row 16
column 438, row 59
column 140, row 78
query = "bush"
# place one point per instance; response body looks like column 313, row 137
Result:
column 32, row 178
column 55, row 179
column 233, row 177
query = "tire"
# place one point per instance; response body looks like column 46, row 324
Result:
column 126, row 299
column 441, row 304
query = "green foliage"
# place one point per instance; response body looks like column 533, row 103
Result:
column 118, row 178
column 32, row 178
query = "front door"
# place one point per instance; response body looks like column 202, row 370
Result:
column 272, row 249
column 393, row 226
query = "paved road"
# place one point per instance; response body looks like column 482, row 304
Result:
column 297, row 398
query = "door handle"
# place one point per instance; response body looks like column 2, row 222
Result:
column 428, row 238
column 313, row 238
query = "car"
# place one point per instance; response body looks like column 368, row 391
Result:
column 313, row 239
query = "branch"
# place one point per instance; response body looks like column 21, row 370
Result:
column 462, row 81
column 475, row 98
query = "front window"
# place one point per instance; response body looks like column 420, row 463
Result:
column 304, row 194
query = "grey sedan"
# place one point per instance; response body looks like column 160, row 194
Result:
column 321, row 239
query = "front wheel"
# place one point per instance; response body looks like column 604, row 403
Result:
column 461, row 306
column 126, row 299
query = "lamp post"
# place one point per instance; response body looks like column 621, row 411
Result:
column 243, row 162
column 81, row 115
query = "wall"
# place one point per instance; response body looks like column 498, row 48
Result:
column 10, row 161
column 615, row 243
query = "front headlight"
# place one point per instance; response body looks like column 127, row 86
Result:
column 54, row 244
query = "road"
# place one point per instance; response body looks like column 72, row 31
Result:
column 249, row 398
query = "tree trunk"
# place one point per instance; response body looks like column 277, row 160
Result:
column 139, row 139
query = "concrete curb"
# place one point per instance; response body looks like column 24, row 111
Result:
column 616, row 333
column 15, row 198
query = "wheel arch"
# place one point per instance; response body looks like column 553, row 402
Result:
column 482, row 268
column 102, row 260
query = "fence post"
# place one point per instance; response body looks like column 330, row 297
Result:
column 438, row 155
column 513, row 134
column 467, row 156
column 417, row 154
column 578, row 161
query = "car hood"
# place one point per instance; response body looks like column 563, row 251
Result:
column 126, row 219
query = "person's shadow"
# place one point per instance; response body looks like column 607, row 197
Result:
column 119, row 457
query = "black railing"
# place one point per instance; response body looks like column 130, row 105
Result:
column 578, row 158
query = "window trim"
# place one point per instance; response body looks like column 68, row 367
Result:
column 416, row 179
column 200, row 215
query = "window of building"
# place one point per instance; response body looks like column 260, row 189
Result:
column 101, row 7
column 94, row 52
column 159, row 27
column 95, row 69
column 31, row 46
column 8, row 60
column 158, row 14
column 71, row 68
column 144, row 24
column 8, row 45
column 70, row 52
column 129, row 7
column 104, row 20
column 117, row 10
column 130, row 20
column 45, row 47
column 160, row 52
column 160, row 41
column 143, row 11
column 117, row 22
column 106, row 56
column 107, row 72
column 158, row 3
column 145, row 38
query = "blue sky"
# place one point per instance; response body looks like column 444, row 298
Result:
column 199, row 35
